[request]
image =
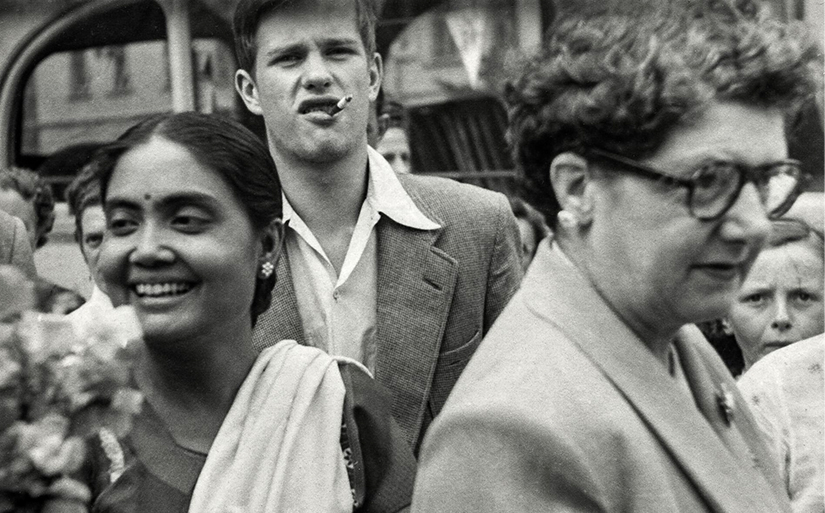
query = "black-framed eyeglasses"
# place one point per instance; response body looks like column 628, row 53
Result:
column 715, row 186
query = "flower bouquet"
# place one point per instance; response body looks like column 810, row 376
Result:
column 56, row 390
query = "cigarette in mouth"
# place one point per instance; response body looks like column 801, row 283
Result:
column 342, row 103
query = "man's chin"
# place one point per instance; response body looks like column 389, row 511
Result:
column 325, row 152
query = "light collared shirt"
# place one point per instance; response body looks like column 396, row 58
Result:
column 338, row 312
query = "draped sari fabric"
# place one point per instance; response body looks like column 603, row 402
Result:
column 278, row 448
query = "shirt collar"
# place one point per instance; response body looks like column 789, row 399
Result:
column 385, row 194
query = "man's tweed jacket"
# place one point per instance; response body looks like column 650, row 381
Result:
column 439, row 292
column 14, row 245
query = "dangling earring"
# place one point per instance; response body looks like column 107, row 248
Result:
column 266, row 269
column 724, row 325
column 567, row 219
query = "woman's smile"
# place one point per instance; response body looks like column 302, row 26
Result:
column 181, row 249
column 161, row 289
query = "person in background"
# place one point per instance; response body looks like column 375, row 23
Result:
column 15, row 248
column 83, row 198
column 25, row 195
column 193, row 236
column 781, row 301
column 394, row 143
column 403, row 273
column 786, row 392
column 394, row 146
column 654, row 143
column 531, row 227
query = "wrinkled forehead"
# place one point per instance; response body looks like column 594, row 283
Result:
column 306, row 22
column 789, row 262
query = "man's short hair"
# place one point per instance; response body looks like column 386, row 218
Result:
column 248, row 15
column 82, row 193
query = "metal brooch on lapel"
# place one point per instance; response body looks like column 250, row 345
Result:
column 727, row 402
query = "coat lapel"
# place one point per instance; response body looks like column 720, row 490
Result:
column 724, row 474
column 281, row 320
column 416, row 281
column 720, row 402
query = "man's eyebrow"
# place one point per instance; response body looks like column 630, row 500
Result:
column 302, row 47
column 340, row 41
column 289, row 48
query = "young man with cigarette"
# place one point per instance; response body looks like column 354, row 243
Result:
column 404, row 274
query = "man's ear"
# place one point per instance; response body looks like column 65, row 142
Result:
column 376, row 75
column 245, row 85
column 571, row 177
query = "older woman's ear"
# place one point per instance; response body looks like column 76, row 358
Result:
column 570, row 176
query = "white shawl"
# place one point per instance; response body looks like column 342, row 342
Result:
column 278, row 450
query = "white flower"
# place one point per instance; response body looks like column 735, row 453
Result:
column 113, row 326
column 45, row 335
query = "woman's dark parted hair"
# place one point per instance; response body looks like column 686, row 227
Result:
column 622, row 81
column 248, row 15
column 222, row 145
column 32, row 188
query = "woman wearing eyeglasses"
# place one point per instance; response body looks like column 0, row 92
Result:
column 656, row 149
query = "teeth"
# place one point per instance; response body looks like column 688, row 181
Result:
column 319, row 108
column 161, row 289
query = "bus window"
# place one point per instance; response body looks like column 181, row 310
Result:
column 93, row 95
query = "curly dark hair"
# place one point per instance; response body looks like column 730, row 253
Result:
column 622, row 82
column 220, row 144
column 36, row 191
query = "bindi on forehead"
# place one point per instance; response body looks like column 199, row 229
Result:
column 147, row 197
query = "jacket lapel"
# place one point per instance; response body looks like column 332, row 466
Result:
column 720, row 402
column 724, row 474
column 416, row 281
column 281, row 320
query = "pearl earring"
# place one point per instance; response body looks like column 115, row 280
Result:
column 266, row 269
column 567, row 219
